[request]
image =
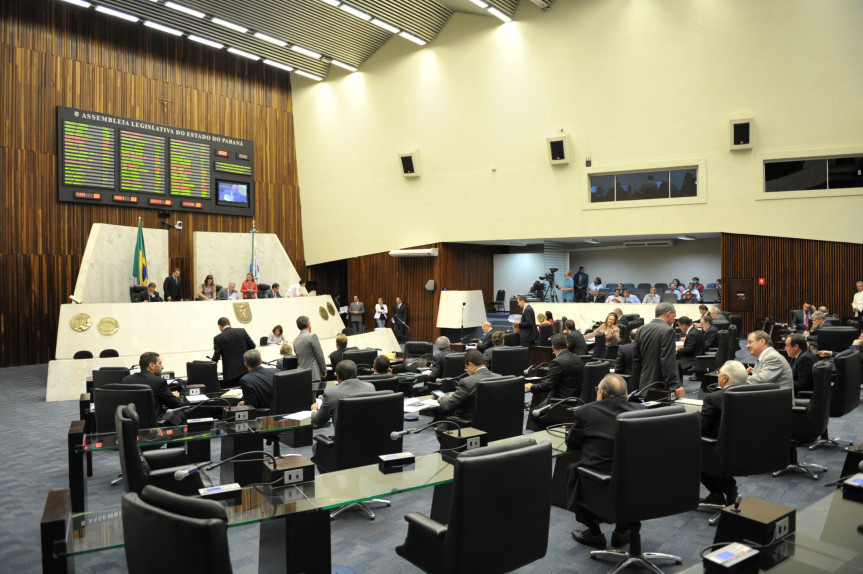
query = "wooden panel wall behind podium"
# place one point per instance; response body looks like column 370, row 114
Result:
column 56, row 57
column 794, row 270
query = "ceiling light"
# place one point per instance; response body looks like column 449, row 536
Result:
column 592, row 241
column 332, row 2
column 308, row 75
column 205, row 41
column 231, row 25
column 385, row 26
column 516, row 243
column 185, row 9
column 686, row 238
column 343, row 65
column 305, row 51
column 270, row 39
column 412, row 38
column 480, row 3
column 499, row 15
column 244, row 54
column 80, row 3
column 279, row 65
column 156, row 26
column 358, row 13
column 116, row 13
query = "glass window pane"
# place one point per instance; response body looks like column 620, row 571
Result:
column 844, row 172
column 601, row 188
column 642, row 185
column 684, row 182
column 795, row 175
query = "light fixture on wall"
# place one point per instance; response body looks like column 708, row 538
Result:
column 686, row 238
column 593, row 241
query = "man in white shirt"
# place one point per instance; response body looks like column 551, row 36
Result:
column 297, row 290
column 857, row 302
column 652, row 297
column 629, row 297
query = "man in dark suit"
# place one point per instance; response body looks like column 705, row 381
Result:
column 621, row 320
column 357, row 311
column 722, row 489
column 341, row 347
column 150, row 375
column 150, row 295
column 400, row 319
column 654, row 356
column 348, row 384
column 308, row 350
column 485, row 343
column 496, row 343
column 574, row 339
column 711, row 333
column 803, row 359
column 172, row 287
column 625, row 354
column 229, row 345
column 801, row 319
column 442, row 345
column 693, row 345
column 819, row 320
column 257, row 384
column 581, row 279
column 592, row 433
column 463, row 401
column 564, row 379
column 527, row 326
column 595, row 297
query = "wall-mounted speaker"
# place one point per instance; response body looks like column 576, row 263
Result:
column 410, row 164
column 558, row 149
column 741, row 134
column 430, row 285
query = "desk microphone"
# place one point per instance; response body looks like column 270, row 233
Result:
column 183, row 473
column 536, row 413
column 638, row 392
column 396, row 435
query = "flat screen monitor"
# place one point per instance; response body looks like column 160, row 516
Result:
column 232, row 193
column 836, row 339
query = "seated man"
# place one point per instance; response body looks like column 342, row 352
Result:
column 442, row 345
column 770, row 367
column 652, row 297
column 722, row 489
column 150, row 295
column 625, row 354
column 595, row 297
column 564, row 380
column 702, row 311
column 693, row 345
column 615, row 297
column 485, row 343
column 818, row 321
column 711, row 333
column 381, row 365
column 593, row 434
column 347, row 384
column 257, row 384
column 629, row 297
column 463, row 401
column 228, row 293
column 574, row 338
column 150, row 375
column 803, row 359
column 621, row 320
column 274, row 291
column 802, row 318
column 717, row 314
column 496, row 343
column 341, row 347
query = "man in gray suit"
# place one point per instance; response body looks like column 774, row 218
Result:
column 770, row 366
column 308, row 350
column 462, row 403
column 348, row 384
column 357, row 312
column 654, row 358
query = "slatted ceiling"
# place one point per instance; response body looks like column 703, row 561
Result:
column 422, row 18
column 506, row 6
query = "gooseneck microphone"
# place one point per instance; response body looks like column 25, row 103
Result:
column 536, row 413
column 183, row 473
column 396, row 435
column 639, row 393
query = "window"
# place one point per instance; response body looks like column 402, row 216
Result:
column 813, row 173
column 641, row 185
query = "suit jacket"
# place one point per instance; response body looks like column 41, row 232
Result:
column 309, row 354
column 162, row 396
column 711, row 337
column 357, row 306
column 437, row 364
column 772, row 368
column 527, row 327
column 257, row 386
column 692, row 347
column 801, row 370
column 798, row 320
column 332, row 396
column 487, row 352
column 565, row 377
column 711, row 413
column 223, row 294
column 486, row 342
column 229, row 345
column 463, row 401
column 592, row 431
column 600, row 298
column 400, row 314
column 145, row 296
column 575, row 342
column 654, row 357
column 172, row 288
column 625, row 354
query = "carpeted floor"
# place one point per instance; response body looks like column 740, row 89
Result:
column 33, row 455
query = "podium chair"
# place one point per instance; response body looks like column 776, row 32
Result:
column 495, row 523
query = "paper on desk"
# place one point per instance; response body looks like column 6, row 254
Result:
column 233, row 394
column 197, row 398
column 425, row 372
column 413, row 408
column 429, row 403
column 302, row 415
column 686, row 401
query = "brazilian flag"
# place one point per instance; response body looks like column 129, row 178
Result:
column 139, row 266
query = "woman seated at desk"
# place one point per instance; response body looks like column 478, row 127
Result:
column 207, row 290
column 276, row 337
column 611, row 330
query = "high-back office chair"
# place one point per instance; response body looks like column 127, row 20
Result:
column 649, row 447
column 809, row 418
column 634, row 324
column 483, row 535
column 611, row 352
column 382, row 382
column 844, row 395
column 191, row 534
column 499, row 300
column 264, row 291
column 558, row 325
column 362, row 434
column 288, row 362
column 499, row 409
column 364, row 358
column 545, row 333
column 511, row 339
column 710, row 361
column 594, row 371
column 599, row 349
column 203, row 373
column 418, row 349
column 106, row 400
column 660, row 287
column 510, row 361
column 135, row 292
column 644, row 286
column 292, row 391
column 263, row 342
column 109, row 375
column 108, row 353
column 668, row 298
column 710, row 295
column 453, row 365
column 154, row 467
column 836, row 338
column 82, row 355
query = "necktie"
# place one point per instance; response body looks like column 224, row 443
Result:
column 806, row 318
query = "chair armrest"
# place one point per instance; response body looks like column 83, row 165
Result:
column 708, row 441
column 798, row 409
column 426, row 524
column 594, row 474
column 324, row 440
column 801, row 402
column 166, row 458
column 459, row 421
column 706, row 356
column 804, row 395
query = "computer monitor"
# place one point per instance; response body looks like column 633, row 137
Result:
column 836, row 339
column 232, row 193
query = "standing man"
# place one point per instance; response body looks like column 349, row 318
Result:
column 564, row 380
column 802, row 361
column 857, row 301
column 356, row 311
column 581, row 280
column 230, row 345
column 486, row 338
column 296, row 290
column 527, row 325
column 462, row 403
column 308, row 350
column 770, row 366
column 567, row 292
column 257, row 384
column 151, row 375
column 150, row 295
column 172, row 288
column 400, row 319
column 654, row 356
column 625, row 354
column 693, row 345
column 347, row 384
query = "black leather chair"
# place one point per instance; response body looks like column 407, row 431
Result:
column 418, row 349
column 660, row 287
column 109, row 375
column 635, row 324
column 809, row 418
column 594, row 371
column 362, row 434
column 645, row 286
column 510, row 361
column 106, row 400
column 174, row 524
column 599, row 348
column 844, row 395
column 288, row 362
column 382, row 382
column 264, row 291
column 611, row 352
column 499, row 300
column 453, row 365
column 710, row 361
column 135, row 292
column 292, row 392
column 108, row 353
column 154, row 467
column 482, row 533
column 545, row 333
column 499, row 408
column 649, row 447
column 82, row 355
column 263, row 341
column 203, row 373
column 511, row 339
column 364, row 358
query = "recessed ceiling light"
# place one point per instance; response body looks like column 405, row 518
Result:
column 358, row 13
column 231, row 25
column 279, row 65
column 305, row 51
column 480, row 3
column 244, row 54
column 331, row 2
column 156, row 26
column 80, row 3
column 592, row 241
column 343, row 65
column 385, row 26
column 412, row 38
column 206, row 42
column 686, row 238
column 270, row 39
column 116, row 13
column 185, row 9
column 498, row 14
column 308, row 75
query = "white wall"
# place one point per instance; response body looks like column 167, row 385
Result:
column 635, row 84
column 226, row 257
column 516, row 272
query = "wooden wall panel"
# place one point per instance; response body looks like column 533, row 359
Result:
column 53, row 54
column 794, row 270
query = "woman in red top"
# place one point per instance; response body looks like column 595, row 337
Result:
column 249, row 288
